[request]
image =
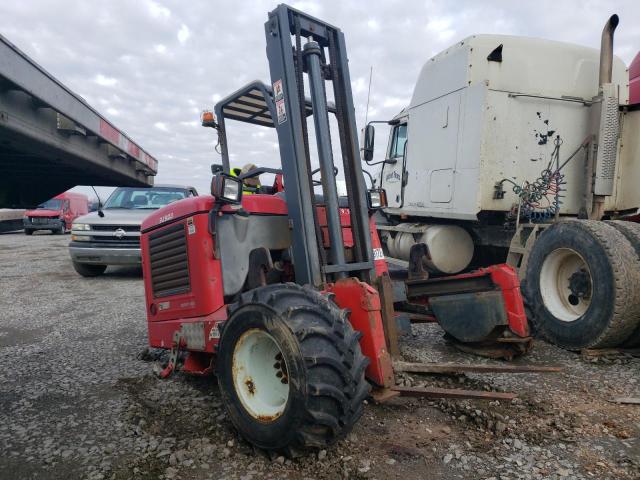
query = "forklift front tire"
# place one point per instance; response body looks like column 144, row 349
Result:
column 290, row 369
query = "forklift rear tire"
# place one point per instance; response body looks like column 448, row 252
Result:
column 581, row 283
column 631, row 231
column 290, row 369
column 89, row 270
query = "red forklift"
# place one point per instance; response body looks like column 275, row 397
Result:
column 284, row 294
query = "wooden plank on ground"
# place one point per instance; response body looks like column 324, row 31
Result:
column 470, row 368
column 432, row 392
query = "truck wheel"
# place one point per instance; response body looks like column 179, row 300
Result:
column 581, row 281
column 28, row 231
column 631, row 231
column 290, row 369
column 89, row 270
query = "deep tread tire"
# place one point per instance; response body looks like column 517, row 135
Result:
column 89, row 270
column 615, row 269
column 325, row 365
column 631, row 231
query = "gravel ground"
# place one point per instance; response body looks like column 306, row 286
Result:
column 77, row 400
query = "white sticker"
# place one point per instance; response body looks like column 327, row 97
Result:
column 164, row 306
column 214, row 333
column 190, row 226
column 277, row 90
column 378, row 254
column 281, row 111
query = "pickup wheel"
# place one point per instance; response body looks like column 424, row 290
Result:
column 89, row 270
column 581, row 284
column 290, row 369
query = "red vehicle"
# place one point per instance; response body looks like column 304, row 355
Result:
column 56, row 214
column 284, row 294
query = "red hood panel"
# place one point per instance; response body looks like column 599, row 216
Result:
column 42, row 212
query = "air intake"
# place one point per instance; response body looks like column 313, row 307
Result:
column 169, row 261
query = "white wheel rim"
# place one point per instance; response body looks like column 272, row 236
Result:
column 260, row 375
column 555, row 277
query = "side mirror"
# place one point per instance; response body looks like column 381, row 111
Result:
column 216, row 168
column 369, row 140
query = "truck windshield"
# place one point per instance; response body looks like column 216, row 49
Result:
column 53, row 204
column 144, row 198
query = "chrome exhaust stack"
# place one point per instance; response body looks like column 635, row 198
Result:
column 605, row 121
column 606, row 50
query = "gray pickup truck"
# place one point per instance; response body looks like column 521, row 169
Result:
column 111, row 236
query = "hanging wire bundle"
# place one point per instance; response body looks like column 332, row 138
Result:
column 541, row 199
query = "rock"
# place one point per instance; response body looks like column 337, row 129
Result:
column 170, row 472
column 280, row 460
column 390, row 461
column 517, row 444
column 226, row 453
column 447, row 458
column 322, row 454
column 365, row 466
column 500, row 427
column 446, row 430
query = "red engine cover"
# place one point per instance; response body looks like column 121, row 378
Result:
column 186, row 220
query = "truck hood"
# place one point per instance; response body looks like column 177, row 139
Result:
column 116, row 216
column 42, row 212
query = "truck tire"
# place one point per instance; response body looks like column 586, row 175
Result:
column 631, row 231
column 28, row 231
column 89, row 270
column 581, row 283
column 290, row 369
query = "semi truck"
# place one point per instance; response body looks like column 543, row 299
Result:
column 525, row 151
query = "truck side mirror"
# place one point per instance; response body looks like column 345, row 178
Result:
column 216, row 168
column 369, row 139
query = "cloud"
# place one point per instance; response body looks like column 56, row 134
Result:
column 184, row 33
column 153, row 65
column 104, row 81
column 158, row 11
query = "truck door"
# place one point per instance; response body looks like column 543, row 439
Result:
column 394, row 171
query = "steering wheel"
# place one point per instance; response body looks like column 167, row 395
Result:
column 317, row 183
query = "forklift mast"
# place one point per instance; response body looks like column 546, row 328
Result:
column 298, row 44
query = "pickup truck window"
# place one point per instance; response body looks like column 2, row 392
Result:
column 144, row 198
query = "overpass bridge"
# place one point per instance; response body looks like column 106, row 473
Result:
column 51, row 139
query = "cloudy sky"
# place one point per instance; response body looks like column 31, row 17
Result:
column 151, row 66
